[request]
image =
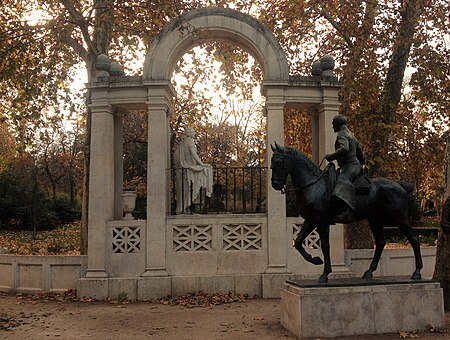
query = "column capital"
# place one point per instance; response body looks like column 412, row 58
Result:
column 155, row 106
column 330, row 95
column 101, row 107
column 328, row 107
column 274, row 105
column 160, row 87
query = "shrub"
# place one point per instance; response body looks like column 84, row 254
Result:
column 23, row 203
column 65, row 211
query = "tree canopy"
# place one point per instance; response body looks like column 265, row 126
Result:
column 392, row 56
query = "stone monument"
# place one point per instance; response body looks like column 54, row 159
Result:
column 160, row 255
column 351, row 306
column 191, row 173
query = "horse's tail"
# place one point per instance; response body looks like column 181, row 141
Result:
column 413, row 207
column 407, row 186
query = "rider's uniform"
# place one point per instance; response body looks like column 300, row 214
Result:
column 350, row 159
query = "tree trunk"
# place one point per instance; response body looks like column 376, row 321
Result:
column 442, row 267
column 50, row 177
column 100, row 43
column 90, row 66
column 392, row 90
column 358, row 235
column 356, row 55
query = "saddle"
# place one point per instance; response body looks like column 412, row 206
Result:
column 361, row 183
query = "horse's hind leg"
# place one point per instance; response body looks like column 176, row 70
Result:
column 377, row 230
column 307, row 229
column 405, row 227
column 324, row 232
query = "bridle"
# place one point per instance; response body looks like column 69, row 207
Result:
column 284, row 191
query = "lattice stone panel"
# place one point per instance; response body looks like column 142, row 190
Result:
column 126, row 240
column 242, row 237
column 192, row 238
column 313, row 239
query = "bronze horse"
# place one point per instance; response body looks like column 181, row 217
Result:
column 385, row 201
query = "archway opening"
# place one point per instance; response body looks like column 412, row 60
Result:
column 218, row 88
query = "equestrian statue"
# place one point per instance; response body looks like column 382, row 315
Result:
column 328, row 197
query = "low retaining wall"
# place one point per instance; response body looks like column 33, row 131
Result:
column 32, row 274
column 393, row 262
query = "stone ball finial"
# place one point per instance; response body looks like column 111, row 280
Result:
column 103, row 63
column 316, row 69
column 327, row 64
column 116, row 69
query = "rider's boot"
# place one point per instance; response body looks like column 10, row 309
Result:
column 343, row 213
column 345, row 216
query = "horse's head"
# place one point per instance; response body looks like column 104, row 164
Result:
column 281, row 165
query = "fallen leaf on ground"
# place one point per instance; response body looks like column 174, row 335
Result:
column 202, row 299
column 404, row 335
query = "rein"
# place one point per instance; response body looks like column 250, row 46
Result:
column 283, row 191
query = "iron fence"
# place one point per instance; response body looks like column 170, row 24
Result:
column 237, row 190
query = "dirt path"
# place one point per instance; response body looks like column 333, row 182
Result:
column 25, row 318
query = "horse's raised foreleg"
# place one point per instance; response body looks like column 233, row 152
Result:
column 324, row 232
column 307, row 229
column 377, row 230
column 405, row 227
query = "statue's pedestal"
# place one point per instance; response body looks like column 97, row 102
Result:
column 355, row 306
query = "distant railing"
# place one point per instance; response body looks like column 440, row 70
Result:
column 237, row 190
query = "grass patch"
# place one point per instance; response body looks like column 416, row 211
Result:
column 63, row 240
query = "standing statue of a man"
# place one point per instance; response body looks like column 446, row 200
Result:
column 191, row 173
column 350, row 159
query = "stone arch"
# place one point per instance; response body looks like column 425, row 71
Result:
column 147, row 270
column 218, row 24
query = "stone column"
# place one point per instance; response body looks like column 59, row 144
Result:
column 101, row 186
column 158, row 164
column 327, row 110
column 118, row 166
column 276, row 203
column 315, row 137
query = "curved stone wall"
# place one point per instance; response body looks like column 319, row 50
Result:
column 32, row 274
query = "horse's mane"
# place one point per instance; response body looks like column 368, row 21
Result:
column 298, row 155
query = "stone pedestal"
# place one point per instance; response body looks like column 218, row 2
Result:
column 347, row 307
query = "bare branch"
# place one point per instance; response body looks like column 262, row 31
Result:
column 76, row 46
column 337, row 27
column 81, row 22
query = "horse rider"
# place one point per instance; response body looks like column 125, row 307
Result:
column 350, row 159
